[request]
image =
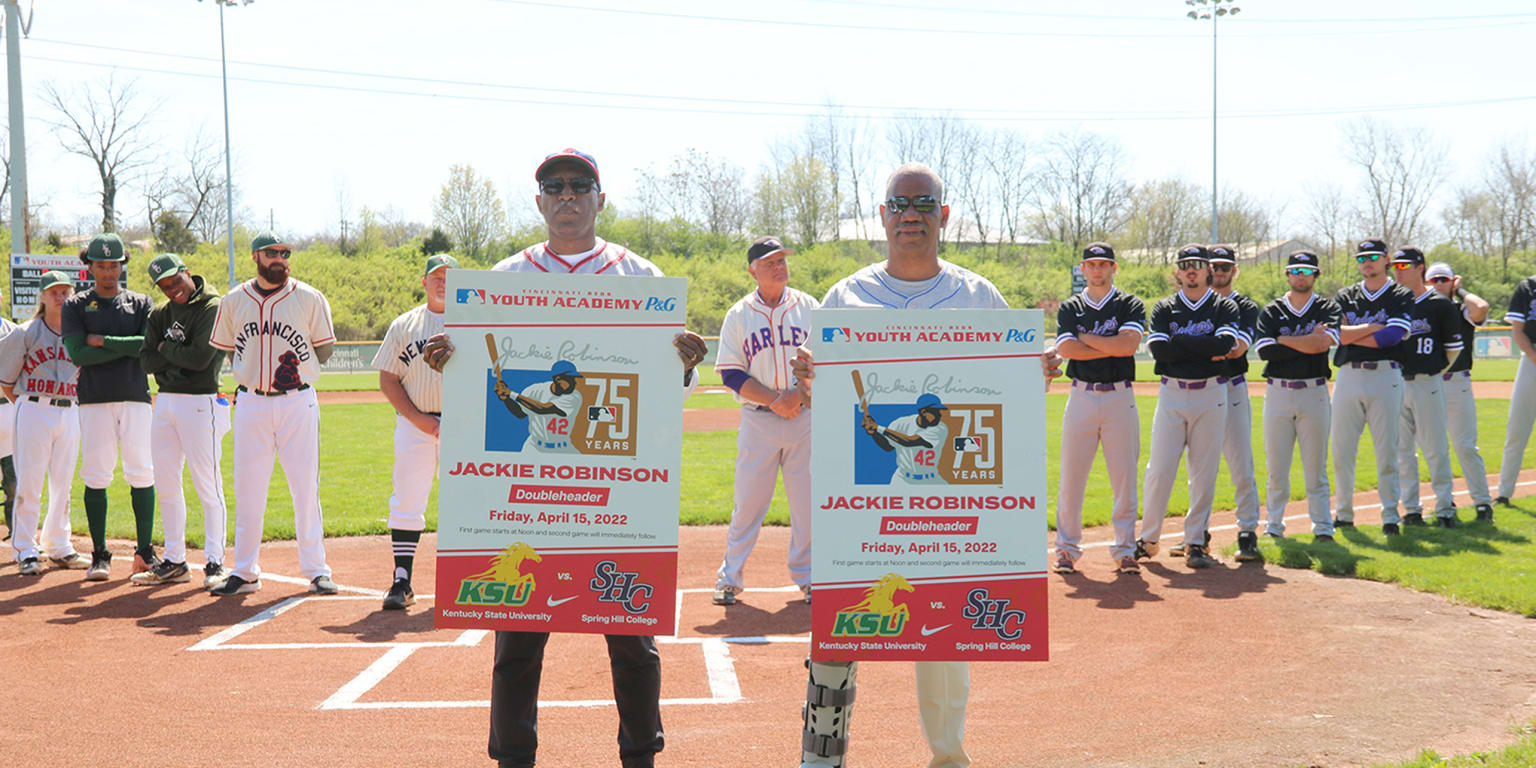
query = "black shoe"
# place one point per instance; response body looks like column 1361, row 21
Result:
column 1391, row 529
column 1247, row 546
column 1145, row 550
column 235, row 585
column 400, row 595
column 1337, row 523
column 1413, row 519
column 1449, row 521
column 1323, row 538
column 1484, row 513
column 1503, row 501
column 1198, row 557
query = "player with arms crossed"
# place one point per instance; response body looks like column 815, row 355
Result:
column 1426, row 353
column 1237, row 444
column 1521, row 317
column 1293, row 337
column 758, row 338
column 570, row 197
column 549, row 406
column 1460, row 403
column 278, row 331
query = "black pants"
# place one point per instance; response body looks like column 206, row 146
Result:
column 515, row 697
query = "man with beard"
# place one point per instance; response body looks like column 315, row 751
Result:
column 278, row 332
column 1460, row 403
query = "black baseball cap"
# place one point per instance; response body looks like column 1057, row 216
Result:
column 1408, row 255
column 1193, row 252
column 568, row 155
column 1371, row 245
column 764, row 247
column 1225, row 254
column 1098, row 252
column 1303, row 259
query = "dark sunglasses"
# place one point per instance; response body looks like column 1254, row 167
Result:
column 556, row 186
column 923, row 204
column 1221, row 266
column 1301, row 271
column 1194, row 264
column 1438, row 280
column 1402, row 265
column 270, row 253
column 1364, row 257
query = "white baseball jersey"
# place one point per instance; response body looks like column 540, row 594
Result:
column 915, row 459
column 33, row 361
column 272, row 338
column 953, row 288
column 605, row 259
column 400, row 354
column 761, row 339
column 552, row 428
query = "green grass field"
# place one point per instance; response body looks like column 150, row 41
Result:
column 1521, row 754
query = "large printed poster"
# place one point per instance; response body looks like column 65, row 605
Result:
column 561, row 442
column 929, row 507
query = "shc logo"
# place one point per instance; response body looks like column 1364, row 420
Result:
column 503, row 583
column 466, row 295
column 986, row 613
column 833, row 334
column 877, row 614
column 622, row 587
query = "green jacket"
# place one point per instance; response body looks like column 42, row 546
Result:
column 176, row 349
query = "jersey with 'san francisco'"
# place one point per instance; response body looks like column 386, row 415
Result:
column 33, row 361
column 1388, row 305
column 272, row 337
column 1247, row 326
column 400, row 354
column 1468, row 340
column 1522, row 306
column 1177, row 316
column 953, row 287
column 760, row 340
column 1279, row 319
column 1436, row 334
column 1082, row 316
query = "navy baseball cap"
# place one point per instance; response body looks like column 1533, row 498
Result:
column 1371, row 245
column 568, row 155
column 106, row 246
column 931, row 400
column 1098, row 252
column 565, row 368
column 1223, row 254
column 764, row 247
column 1408, row 255
column 1193, row 252
column 1303, row 259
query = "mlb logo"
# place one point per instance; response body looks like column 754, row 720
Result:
column 602, row 413
column 466, row 294
column 831, row 334
column 968, row 444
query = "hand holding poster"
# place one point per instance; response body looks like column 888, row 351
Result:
column 561, row 440
column 929, row 506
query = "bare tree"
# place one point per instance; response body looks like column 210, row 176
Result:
column 469, row 210
column 1403, row 169
column 109, row 127
column 1472, row 219
column 769, row 214
column 1082, row 192
column 858, row 138
column 1163, row 215
column 1511, row 187
column 1327, row 215
column 1012, row 182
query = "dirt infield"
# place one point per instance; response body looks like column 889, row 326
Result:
column 1249, row 665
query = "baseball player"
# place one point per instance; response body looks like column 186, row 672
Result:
column 278, row 331
column 1294, row 334
column 1373, row 316
column 1460, row 404
column 758, row 338
column 912, row 277
column 103, row 330
column 1098, row 332
column 917, row 439
column 549, row 406
column 1426, row 353
column 7, row 423
column 190, row 418
column 1521, row 317
column 415, row 389
column 37, row 374
column 570, row 197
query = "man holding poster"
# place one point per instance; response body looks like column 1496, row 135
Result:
column 569, row 198
column 936, row 441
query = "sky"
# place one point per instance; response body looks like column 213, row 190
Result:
column 377, row 100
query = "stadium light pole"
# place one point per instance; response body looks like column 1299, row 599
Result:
column 229, row 181
column 1201, row 10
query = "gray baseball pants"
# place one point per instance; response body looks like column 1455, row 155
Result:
column 1297, row 415
column 1237, row 449
column 1360, row 397
column 1423, row 422
column 1185, row 418
column 1095, row 418
column 1461, row 423
column 1522, row 415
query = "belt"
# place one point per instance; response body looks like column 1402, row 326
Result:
column 51, row 401
column 1238, row 379
column 1100, row 386
column 1192, row 383
column 928, row 476
column 243, row 388
column 1449, row 376
column 1371, row 366
column 543, row 444
column 1296, row 383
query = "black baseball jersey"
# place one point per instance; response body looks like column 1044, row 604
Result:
column 1079, row 316
column 1185, row 335
column 1522, row 306
column 1436, row 334
column 1468, row 339
column 1247, row 324
column 1279, row 319
column 120, row 318
column 1389, row 305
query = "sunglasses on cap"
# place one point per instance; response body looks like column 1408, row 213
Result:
column 1364, row 257
column 1193, row 264
column 1438, row 280
column 1301, row 271
column 556, row 186
column 923, row 204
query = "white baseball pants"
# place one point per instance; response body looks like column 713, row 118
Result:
column 1185, row 418
column 767, row 444
column 1461, row 423
column 416, row 454
column 189, row 430
column 107, row 427
column 1423, row 422
column 1237, row 449
column 1297, row 416
column 47, row 443
column 1362, row 397
column 1522, row 415
column 287, row 427
column 1094, row 418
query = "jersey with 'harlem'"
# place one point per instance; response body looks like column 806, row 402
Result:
column 1436, row 334
column 1463, row 360
column 1522, row 306
column 759, row 340
column 1388, row 305
column 1186, row 334
column 1081, row 316
column 1280, row 319
column 273, row 336
column 1247, row 325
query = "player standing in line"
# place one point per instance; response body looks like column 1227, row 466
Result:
column 7, row 423
column 558, row 399
column 1098, row 332
column 1521, row 317
column 1294, row 334
column 36, row 373
column 758, row 338
column 1373, row 314
column 415, row 389
column 103, row 330
column 190, row 419
column 570, row 197
column 1460, row 403
column 279, row 332
column 1426, row 353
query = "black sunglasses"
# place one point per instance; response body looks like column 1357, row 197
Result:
column 1194, row 264
column 1439, row 279
column 923, row 204
column 1221, row 266
column 1301, row 271
column 271, row 253
column 1364, row 257
column 556, row 186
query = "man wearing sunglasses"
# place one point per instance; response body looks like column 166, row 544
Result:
column 1295, row 332
column 1521, row 317
column 1193, row 332
column 1460, row 404
column 1374, row 317
column 1426, row 353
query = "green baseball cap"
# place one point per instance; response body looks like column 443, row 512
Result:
column 165, row 264
column 440, row 261
column 267, row 240
column 106, row 246
column 50, row 279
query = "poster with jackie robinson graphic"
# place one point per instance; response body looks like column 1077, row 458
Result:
column 928, row 532
column 561, row 439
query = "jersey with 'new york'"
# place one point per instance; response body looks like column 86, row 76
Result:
column 1176, row 322
column 953, row 287
column 760, row 340
column 1388, row 305
column 1280, row 319
column 1435, row 334
column 273, row 336
column 400, row 354
column 1081, row 316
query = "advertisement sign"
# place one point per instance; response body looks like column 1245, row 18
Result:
column 26, row 271
column 928, row 498
column 561, row 444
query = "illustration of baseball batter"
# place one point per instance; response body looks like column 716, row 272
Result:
column 916, row 439
column 550, row 408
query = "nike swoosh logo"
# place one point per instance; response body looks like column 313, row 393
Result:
column 553, row 602
column 926, row 631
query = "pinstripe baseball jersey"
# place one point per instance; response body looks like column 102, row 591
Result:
column 272, row 338
column 400, row 354
column 1079, row 315
column 33, row 361
column 952, row 288
column 761, row 340
column 1522, row 306
column 1279, row 319
column 1389, row 305
column 1436, row 334
column 605, row 259
column 1185, row 335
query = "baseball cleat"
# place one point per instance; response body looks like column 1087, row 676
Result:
column 74, row 561
column 1342, row 523
column 101, row 567
column 724, row 595
column 1178, row 549
column 142, row 564
column 164, row 572
column 1484, row 513
column 806, row 591
column 1391, row 529
column 234, row 585
column 30, row 567
column 1322, row 538
column 1413, row 519
column 1064, row 563
column 1146, row 550
column 1448, row 521
column 400, row 595
column 214, row 576
column 323, row 585
column 1503, row 501
column 1128, row 565
column 1198, row 557
column 1247, row 547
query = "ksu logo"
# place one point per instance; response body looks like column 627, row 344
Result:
column 831, row 334
column 504, row 583
column 877, row 614
column 465, row 295
column 622, row 587
column 987, row 613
